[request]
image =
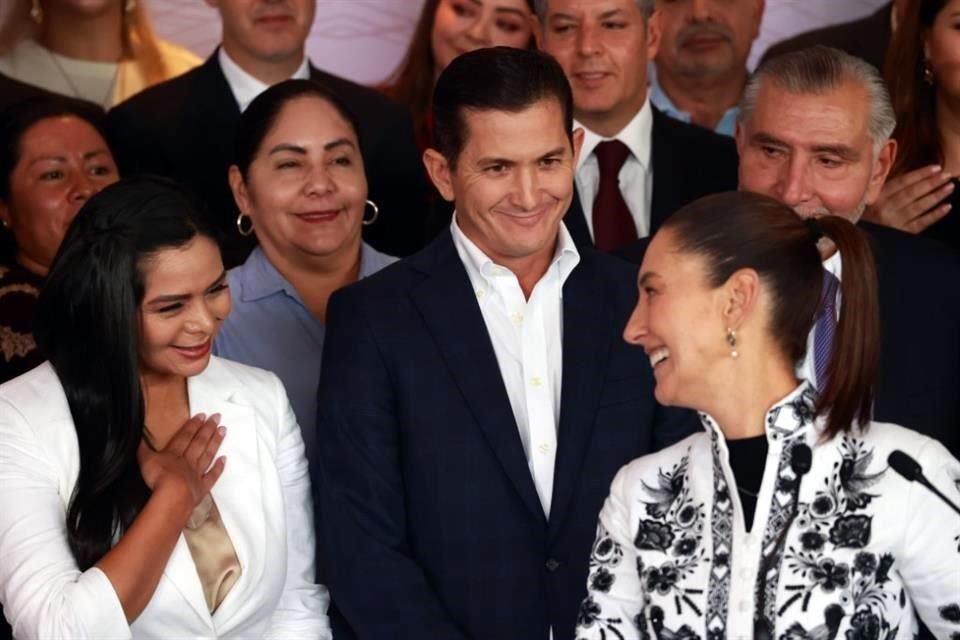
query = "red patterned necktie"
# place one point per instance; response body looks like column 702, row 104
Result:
column 613, row 225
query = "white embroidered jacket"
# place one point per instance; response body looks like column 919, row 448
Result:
column 846, row 550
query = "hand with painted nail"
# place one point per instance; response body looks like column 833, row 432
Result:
column 186, row 466
column 913, row 201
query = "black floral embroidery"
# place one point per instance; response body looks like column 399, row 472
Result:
column 667, row 490
column 591, row 614
column 656, row 621
column 606, row 551
column 832, row 617
column 685, row 546
column 661, row 579
column 812, row 540
column 865, row 563
column 830, row 575
column 653, row 536
column 851, row 532
column 951, row 613
column 864, row 625
column 601, row 580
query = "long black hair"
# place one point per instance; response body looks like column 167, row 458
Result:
column 87, row 325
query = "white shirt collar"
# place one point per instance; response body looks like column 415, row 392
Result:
column 480, row 267
column 636, row 135
column 244, row 86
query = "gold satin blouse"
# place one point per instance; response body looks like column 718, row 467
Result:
column 212, row 551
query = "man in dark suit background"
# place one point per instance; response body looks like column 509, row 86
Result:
column 638, row 165
column 477, row 398
column 184, row 128
column 867, row 38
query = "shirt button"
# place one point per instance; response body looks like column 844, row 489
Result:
column 545, row 448
column 517, row 318
column 552, row 565
column 535, row 382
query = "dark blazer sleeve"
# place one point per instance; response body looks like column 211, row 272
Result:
column 363, row 550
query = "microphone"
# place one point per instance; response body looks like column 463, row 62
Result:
column 801, row 459
column 911, row 470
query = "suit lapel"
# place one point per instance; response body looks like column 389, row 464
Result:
column 668, row 172
column 449, row 308
column 585, row 328
column 576, row 222
column 237, row 493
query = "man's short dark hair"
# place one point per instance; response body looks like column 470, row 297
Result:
column 494, row 79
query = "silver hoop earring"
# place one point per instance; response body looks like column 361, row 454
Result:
column 928, row 76
column 732, row 342
column 36, row 12
column 244, row 230
column 376, row 214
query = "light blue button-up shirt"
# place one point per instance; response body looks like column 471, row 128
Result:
column 727, row 125
column 270, row 327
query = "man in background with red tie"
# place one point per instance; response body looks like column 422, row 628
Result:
column 637, row 166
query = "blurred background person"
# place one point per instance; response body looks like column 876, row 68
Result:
column 185, row 128
column 148, row 489
column 924, row 81
column 701, row 63
column 102, row 51
column 637, row 165
column 867, row 38
column 298, row 178
column 781, row 518
column 53, row 157
column 445, row 29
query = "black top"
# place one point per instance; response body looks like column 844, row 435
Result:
column 19, row 290
column 747, row 460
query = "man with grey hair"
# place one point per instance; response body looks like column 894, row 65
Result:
column 637, row 165
column 701, row 65
column 814, row 133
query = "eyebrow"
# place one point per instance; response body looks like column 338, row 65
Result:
column 842, row 150
column 647, row 276
column 295, row 148
column 511, row 10
column 55, row 158
column 178, row 297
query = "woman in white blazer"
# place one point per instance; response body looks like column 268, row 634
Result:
column 121, row 516
column 783, row 518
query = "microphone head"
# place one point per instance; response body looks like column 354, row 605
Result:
column 800, row 459
column 904, row 465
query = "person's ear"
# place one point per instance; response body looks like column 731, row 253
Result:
column 577, row 146
column 239, row 188
column 881, row 169
column 440, row 173
column 739, row 297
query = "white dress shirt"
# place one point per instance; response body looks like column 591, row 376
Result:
column 527, row 337
column 636, row 175
column 808, row 369
column 244, row 86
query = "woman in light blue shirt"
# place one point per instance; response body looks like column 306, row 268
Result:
column 298, row 179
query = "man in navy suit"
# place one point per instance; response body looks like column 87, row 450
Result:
column 477, row 398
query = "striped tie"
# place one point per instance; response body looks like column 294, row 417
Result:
column 825, row 328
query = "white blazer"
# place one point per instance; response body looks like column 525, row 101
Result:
column 263, row 496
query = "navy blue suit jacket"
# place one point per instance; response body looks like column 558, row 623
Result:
column 429, row 522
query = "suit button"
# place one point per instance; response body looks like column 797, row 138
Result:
column 552, row 565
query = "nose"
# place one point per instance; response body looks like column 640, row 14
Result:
column 700, row 10
column 527, row 193
column 202, row 321
column 319, row 181
column 479, row 32
column 793, row 184
column 636, row 329
column 588, row 42
column 83, row 188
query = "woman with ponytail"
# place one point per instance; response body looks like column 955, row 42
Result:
column 127, row 509
column 782, row 519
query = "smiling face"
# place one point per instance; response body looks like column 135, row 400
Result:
column 814, row 153
column 305, row 189
column 513, row 181
column 603, row 47
column 184, row 303
column 460, row 26
column 62, row 162
column 706, row 38
column 257, row 32
column 679, row 323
